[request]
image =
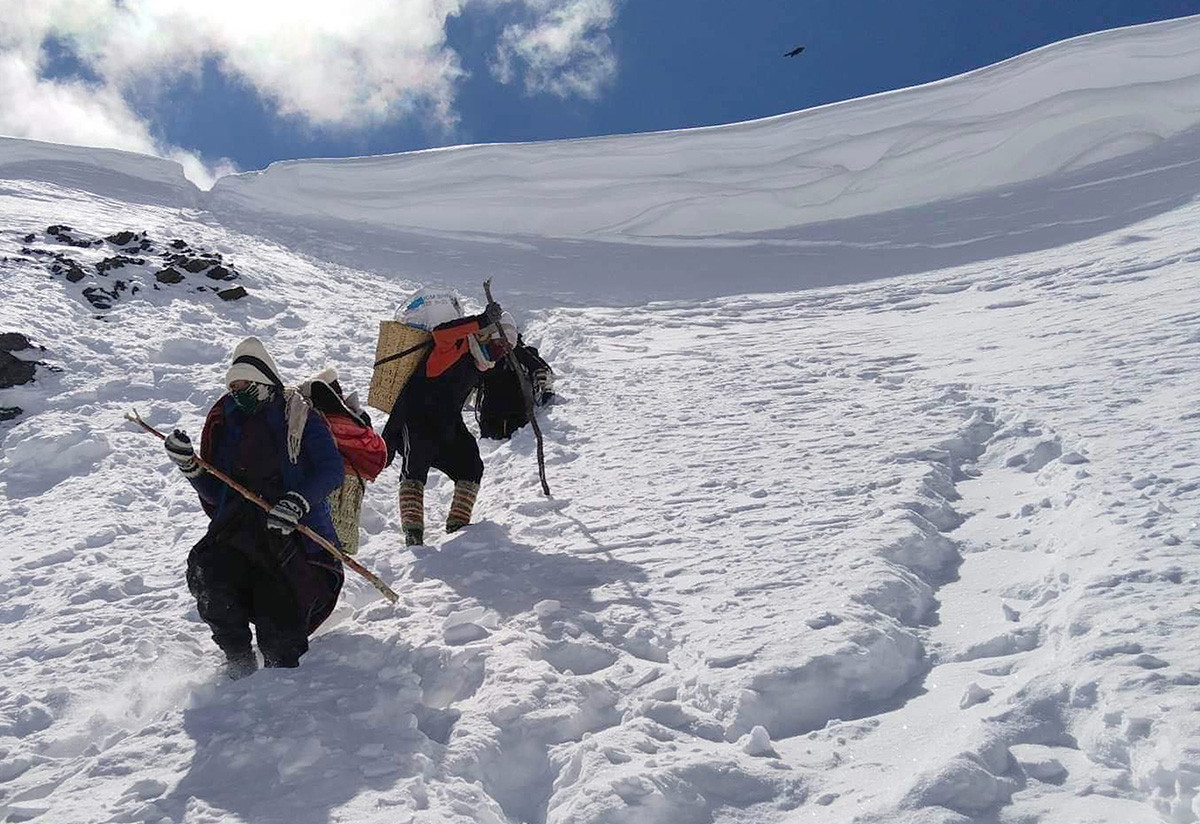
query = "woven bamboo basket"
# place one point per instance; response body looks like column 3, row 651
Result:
column 345, row 508
column 388, row 379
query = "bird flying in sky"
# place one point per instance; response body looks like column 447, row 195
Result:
column 794, row 52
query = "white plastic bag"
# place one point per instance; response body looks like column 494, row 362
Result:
column 428, row 309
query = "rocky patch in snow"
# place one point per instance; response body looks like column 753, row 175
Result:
column 17, row 366
column 136, row 265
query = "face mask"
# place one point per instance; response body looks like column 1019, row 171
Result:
column 250, row 397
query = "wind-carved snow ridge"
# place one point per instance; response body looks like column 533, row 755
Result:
column 900, row 556
column 117, row 174
column 1029, row 649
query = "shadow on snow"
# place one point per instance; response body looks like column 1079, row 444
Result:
column 293, row 745
column 484, row 565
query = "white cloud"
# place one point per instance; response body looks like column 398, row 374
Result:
column 564, row 49
column 334, row 64
column 83, row 115
column 339, row 65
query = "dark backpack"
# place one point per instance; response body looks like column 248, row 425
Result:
column 499, row 404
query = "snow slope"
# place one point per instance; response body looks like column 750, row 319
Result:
column 110, row 172
column 905, row 549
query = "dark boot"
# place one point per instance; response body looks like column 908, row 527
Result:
column 281, row 646
column 284, row 661
column 240, row 663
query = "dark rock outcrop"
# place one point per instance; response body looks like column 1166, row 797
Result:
column 16, row 342
column 64, row 234
column 122, row 238
column 117, row 262
column 131, row 241
column 68, row 267
column 99, row 298
column 13, row 370
column 178, row 260
column 193, row 265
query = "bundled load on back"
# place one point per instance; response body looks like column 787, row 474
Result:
column 363, row 451
column 500, row 402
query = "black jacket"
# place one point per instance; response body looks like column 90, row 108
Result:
column 430, row 406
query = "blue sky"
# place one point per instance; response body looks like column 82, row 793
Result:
column 636, row 65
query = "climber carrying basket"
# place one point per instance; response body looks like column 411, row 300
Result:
column 426, row 425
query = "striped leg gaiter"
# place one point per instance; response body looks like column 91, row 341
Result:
column 461, row 506
column 412, row 512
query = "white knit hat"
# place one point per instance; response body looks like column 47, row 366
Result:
column 327, row 375
column 320, row 392
column 252, row 363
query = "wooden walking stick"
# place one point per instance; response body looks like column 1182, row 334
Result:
column 527, row 394
column 255, row 499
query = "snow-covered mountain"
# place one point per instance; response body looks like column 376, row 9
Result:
column 1044, row 113
column 876, row 485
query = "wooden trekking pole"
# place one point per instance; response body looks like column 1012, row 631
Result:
column 527, row 394
column 255, row 499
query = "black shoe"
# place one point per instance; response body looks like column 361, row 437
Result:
column 285, row 662
column 414, row 536
column 240, row 664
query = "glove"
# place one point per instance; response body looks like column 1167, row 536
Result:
column 287, row 512
column 492, row 312
column 179, row 449
column 543, row 386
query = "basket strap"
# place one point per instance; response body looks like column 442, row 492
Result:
column 405, row 353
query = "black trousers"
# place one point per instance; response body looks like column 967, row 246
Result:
column 452, row 450
column 241, row 573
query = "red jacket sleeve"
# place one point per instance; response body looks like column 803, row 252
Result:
column 361, row 447
column 206, row 485
column 450, row 344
